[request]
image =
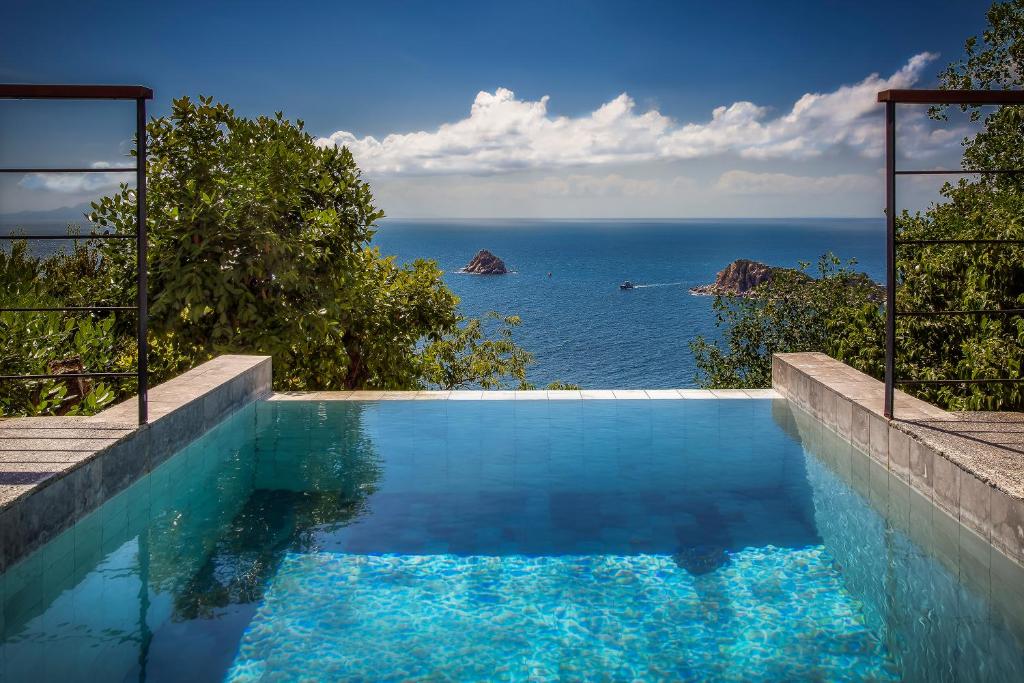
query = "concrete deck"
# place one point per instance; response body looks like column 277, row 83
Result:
column 987, row 443
column 969, row 464
column 34, row 449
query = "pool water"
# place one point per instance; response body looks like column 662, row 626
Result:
column 482, row 540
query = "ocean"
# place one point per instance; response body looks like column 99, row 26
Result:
column 579, row 325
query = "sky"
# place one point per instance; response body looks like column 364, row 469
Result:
column 569, row 109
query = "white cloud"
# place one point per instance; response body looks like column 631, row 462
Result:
column 503, row 133
column 748, row 183
column 77, row 182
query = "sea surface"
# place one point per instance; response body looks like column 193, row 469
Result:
column 579, row 325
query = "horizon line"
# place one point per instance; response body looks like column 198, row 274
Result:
column 623, row 218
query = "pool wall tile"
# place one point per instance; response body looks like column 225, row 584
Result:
column 1007, row 586
column 922, row 469
column 899, row 504
column 947, row 540
column 844, row 417
column 988, row 505
column 975, row 505
column 946, row 485
column 815, row 400
column 87, row 484
column 879, row 437
column 1007, row 525
column 861, row 428
column 899, row 454
column 878, row 485
column 828, row 407
column 975, row 558
column 803, row 390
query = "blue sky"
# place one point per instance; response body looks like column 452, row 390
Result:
column 359, row 72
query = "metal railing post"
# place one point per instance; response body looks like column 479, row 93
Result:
column 140, row 256
column 890, row 256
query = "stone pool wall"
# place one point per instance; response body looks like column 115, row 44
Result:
column 914, row 568
column 55, row 470
column 969, row 465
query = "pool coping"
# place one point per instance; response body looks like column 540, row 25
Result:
column 528, row 395
column 58, row 469
column 979, row 483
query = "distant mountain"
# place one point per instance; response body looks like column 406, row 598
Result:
column 73, row 214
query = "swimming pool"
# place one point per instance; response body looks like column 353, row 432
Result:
column 468, row 540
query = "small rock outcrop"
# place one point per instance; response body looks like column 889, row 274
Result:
column 739, row 278
column 485, row 263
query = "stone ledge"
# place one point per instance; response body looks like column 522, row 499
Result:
column 971, row 465
column 55, row 470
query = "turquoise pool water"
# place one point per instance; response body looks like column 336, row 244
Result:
column 481, row 540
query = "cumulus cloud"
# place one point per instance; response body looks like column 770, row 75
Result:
column 71, row 183
column 504, row 133
column 749, row 183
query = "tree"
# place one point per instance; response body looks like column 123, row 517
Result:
column 968, row 277
column 932, row 277
column 259, row 242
